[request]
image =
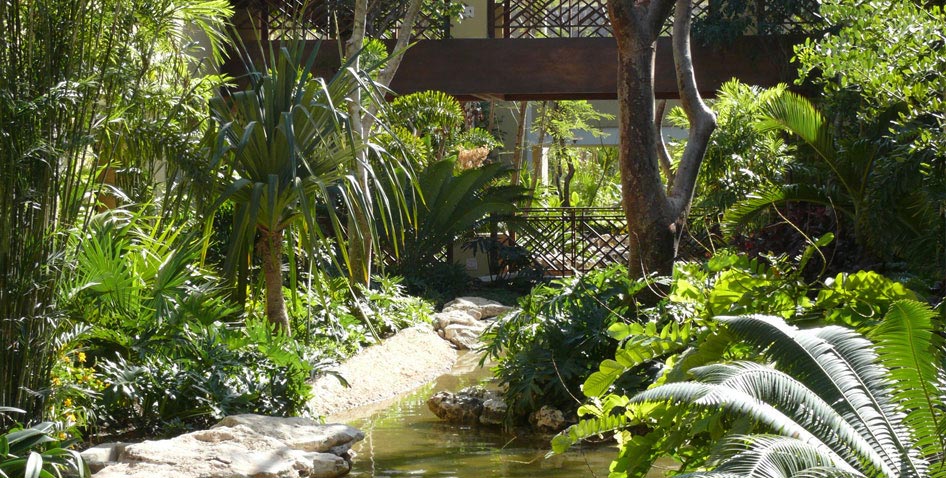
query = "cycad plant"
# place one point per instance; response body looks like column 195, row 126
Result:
column 865, row 179
column 820, row 402
column 285, row 147
column 449, row 205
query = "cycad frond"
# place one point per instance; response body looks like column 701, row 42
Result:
column 749, row 210
column 797, row 402
column 908, row 347
column 839, row 365
column 794, row 113
column 774, row 456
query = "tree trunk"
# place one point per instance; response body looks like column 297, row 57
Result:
column 360, row 230
column 520, row 143
column 567, row 183
column 269, row 246
column 650, row 238
column 655, row 217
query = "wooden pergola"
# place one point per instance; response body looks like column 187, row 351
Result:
column 530, row 49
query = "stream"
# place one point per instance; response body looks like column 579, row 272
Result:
column 403, row 438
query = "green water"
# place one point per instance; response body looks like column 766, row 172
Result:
column 403, row 438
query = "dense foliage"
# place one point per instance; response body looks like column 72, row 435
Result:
column 557, row 336
column 86, row 118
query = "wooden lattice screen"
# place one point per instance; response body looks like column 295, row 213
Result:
column 565, row 240
column 589, row 18
column 327, row 19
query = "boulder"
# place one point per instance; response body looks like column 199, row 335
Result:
column 245, row 446
column 456, row 408
column 487, row 308
column 102, row 455
column 547, row 420
column 449, row 317
column 464, row 337
column 494, row 411
column 470, row 406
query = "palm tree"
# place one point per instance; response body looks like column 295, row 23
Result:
column 283, row 143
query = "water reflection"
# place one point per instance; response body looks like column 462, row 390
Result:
column 403, row 438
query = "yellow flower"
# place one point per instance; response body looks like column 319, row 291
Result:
column 81, row 357
column 71, row 417
column 56, row 381
column 67, row 403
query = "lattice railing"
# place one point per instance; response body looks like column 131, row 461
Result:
column 589, row 18
column 328, row 19
column 565, row 240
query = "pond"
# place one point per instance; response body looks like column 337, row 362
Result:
column 403, row 438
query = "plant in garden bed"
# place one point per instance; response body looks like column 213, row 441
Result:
column 40, row 451
column 557, row 336
column 285, row 145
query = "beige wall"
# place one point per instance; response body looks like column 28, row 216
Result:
column 472, row 27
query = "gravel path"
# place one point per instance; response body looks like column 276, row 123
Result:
column 401, row 363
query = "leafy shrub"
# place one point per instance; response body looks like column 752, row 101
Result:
column 203, row 374
column 337, row 319
column 703, row 422
column 557, row 336
column 41, row 450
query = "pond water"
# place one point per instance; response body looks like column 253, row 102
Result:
column 403, row 438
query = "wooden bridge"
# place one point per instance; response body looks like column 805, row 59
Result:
column 535, row 49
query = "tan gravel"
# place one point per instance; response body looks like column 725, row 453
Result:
column 399, row 364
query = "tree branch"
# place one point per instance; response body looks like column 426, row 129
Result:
column 657, row 14
column 702, row 120
column 403, row 37
column 662, row 153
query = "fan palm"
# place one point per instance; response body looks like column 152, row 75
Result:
column 284, row 143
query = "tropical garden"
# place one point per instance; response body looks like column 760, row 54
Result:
column 179, row 245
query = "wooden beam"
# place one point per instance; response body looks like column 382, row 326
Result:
column 569, row 68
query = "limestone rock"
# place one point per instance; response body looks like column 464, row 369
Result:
column 449, row 317
column 102, row 455
column 487, row 308
column 547, row 420
column 494, row 411
column 244, row 446
column 472, row 405
column 464, row 337
column 299, row 433
column 456, row 408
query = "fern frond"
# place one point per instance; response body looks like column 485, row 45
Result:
column 586, row 428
